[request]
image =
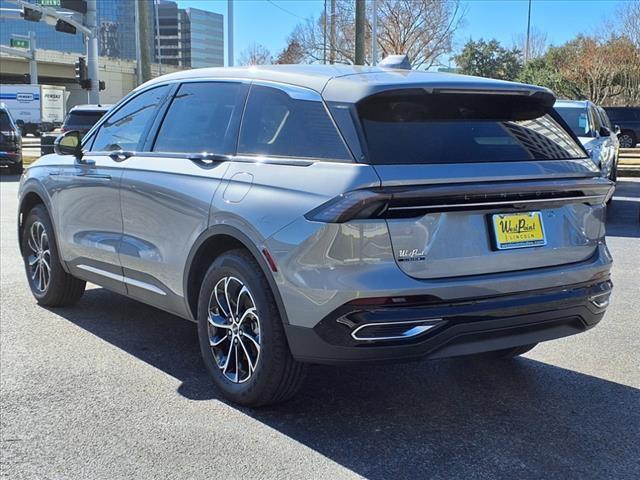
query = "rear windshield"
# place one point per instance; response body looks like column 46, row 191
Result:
column 577, row 119
column 5, row 123
column 414, row 127
column 82, row 119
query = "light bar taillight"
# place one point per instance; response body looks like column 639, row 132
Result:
column 355, row 205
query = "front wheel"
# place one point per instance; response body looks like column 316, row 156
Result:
column 49, row 283
column 241, row 335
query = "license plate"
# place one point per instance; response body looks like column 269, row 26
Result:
column 518, row 230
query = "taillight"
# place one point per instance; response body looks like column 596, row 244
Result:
column 355, row 205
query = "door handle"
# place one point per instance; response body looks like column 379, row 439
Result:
column 120, row 155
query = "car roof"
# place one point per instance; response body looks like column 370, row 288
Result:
column 572, row 103
column 349, row 83
column 90, row 108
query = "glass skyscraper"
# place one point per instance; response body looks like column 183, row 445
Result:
column 116, row 30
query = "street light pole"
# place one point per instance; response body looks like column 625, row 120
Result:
column 360, row 20
column 92, row 51
column 33, row 65
column 526, row 47
column 374, row 34
column 230, row 32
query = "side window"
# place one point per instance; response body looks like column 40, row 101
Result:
column 124, row 128
column 276, row 124
column 203, row 117
column 596, row 120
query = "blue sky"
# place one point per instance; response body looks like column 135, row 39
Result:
column 263, row 22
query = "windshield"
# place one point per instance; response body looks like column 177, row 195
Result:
column 82, row 120
column 577, row 119
column 415, row 127
column 5, row 122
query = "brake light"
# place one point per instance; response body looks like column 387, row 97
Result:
column 355, row 205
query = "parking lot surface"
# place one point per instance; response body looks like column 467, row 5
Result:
column 114, row 389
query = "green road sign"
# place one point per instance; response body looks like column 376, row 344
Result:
column 48, row 3
column 19, row 43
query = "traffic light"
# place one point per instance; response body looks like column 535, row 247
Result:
column 75, row 5
column 64, row 27
column 31, row 14
column 101, row 85
column 82, row 76
column 27, row 78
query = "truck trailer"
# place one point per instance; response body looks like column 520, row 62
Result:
column 35, row 108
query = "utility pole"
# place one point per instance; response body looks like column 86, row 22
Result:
column 230, row 33
column 332, row 34
column 374, row 34
column 158, row 54
column 325, row 33
column 526, row 47
column 360, row 21
column 143, row 31
column 92, row 51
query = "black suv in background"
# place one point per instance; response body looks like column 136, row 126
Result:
column 628, row 118
column 80, row 118
column 10, row 142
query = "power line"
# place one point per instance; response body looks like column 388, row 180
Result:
column 285, row 10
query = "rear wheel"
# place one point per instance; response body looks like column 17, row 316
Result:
column 627, row 140
column 241, row 335
column 49, row 283
column 509, row 352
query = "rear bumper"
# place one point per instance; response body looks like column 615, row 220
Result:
column 459, row 328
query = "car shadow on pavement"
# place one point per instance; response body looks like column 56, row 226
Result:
column 457, row 418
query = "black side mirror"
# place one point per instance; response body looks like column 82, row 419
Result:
column 69, row 144
column 616, row 129
column 605, row 132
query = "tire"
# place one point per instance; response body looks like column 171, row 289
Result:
column 627, row 140
column 51, row 287
column 264, row 372
column 508, row 353
column 16, row 169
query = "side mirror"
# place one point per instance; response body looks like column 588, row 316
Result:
column 604, row 132
column 616, row 129
column 68, row 144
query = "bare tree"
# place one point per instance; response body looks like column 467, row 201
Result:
column 629, row 15
column 255, row 54
column 292, row 54
column 422, row 29
column 538, row 45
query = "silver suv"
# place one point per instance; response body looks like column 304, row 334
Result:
column 310, row 214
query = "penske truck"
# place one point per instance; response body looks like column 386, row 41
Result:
column 35, row 108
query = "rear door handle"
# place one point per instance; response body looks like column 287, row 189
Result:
column 120, row 155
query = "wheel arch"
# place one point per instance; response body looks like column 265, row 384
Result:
column 212, row 243
column 28, row 200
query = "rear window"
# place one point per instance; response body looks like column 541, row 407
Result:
column 83, row 120
column 5, row 122
column 415, row 127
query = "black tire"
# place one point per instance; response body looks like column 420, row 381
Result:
column 61, row 289
column 508, row 353
column 277, row 376
column 627, row 140
column 16, row 169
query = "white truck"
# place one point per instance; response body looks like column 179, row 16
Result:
column 35, row 108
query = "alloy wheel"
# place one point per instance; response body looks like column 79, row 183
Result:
column 626, row 141
column 39, row 257
column 234, row 329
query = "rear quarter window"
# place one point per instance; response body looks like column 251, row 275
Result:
column 275, row 124
column 415, row 127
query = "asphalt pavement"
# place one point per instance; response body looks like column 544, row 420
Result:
column 113, row 389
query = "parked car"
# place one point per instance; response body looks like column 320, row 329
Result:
column 80, row 118
column 592, row 127
column 10, row 142
column 312, row 214
column 629, row 120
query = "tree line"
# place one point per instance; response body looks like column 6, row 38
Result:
column 603, row 67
